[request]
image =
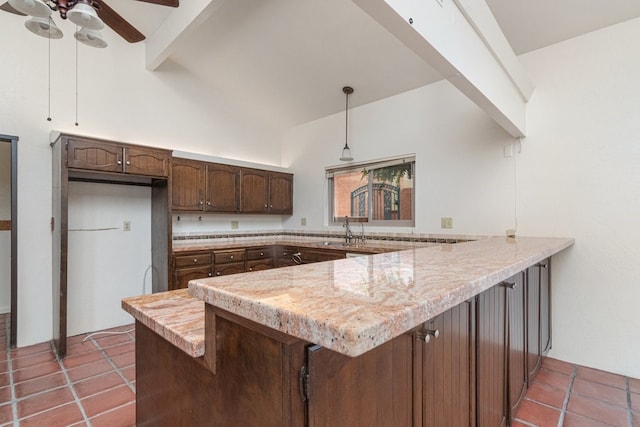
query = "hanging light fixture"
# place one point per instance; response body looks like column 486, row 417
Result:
column 80, row 12
column 346, row 151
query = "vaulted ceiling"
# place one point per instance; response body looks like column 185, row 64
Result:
column 285, row 61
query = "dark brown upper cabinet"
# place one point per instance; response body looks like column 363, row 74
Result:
column 95, row 155
column 266, row 192
column 204, row 187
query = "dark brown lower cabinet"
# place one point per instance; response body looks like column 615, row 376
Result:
column 372, row 390
column 465, row 367
column 444, row 369
column 491, row 355
column 516, row 341
column 538, row 315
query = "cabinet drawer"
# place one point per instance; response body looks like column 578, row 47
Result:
column 257, row 265
column 228, row 256
column 200, row 258
column 259, row 253
column 229, row 268
column 184, row 275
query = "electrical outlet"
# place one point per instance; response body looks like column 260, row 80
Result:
column 235, row 225
column 126, row 225
column 446, row 222
column 303, row 221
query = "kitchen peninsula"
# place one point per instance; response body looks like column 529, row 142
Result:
column 426, row 336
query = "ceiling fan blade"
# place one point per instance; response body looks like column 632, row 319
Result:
column 117, row 23
column 8, row 8
column 171, row 3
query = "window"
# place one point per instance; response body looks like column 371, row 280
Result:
column 379, row 192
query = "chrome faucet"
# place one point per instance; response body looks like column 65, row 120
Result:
column 348, row 235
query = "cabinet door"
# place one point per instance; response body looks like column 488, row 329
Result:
column 533, row 322
column 371, row 390
column 517, row 360
column 280, row 193
column 491, row 358
column 184, row 275
column 231, row 268
column 94, row 155
column 222, row 189
column 545, row 305
column 259, row 265
column 146, row 161
column 187, row 185
column 253, row 191
column 444, row 369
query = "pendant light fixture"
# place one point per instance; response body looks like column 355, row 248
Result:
column 346, row 151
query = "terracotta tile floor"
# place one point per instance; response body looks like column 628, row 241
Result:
column 95, row 386
column 569, row 395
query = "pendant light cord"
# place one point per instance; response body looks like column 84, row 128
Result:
column 346, row 120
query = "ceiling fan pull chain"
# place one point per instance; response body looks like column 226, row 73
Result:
column 76, row 78
column 49, row 74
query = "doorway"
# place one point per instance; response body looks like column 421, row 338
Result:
column 9, row 232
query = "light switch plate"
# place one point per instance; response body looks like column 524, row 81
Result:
column 303, row 221
column 126, row 225
column 235, row 225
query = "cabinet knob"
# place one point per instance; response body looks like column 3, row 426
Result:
column 201, row 203
column 261, row 254
column 128, row 162
column 210, row 274
column 208, row 203
column 230, row 256
column 119, row 162
column 195, row 260
column 265, row 206
column 217, row 273
column 250, row 268
column 426, row 334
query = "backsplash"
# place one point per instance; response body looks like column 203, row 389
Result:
column 325, row 234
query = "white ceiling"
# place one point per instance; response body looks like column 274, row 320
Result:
column 285, row 61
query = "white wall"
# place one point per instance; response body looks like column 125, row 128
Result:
column 106, row 263
column 578, row 176
column 5, row 236
column 118, row 100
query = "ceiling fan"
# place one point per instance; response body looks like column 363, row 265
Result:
column 91, row 15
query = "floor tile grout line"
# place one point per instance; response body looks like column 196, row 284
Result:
column 73, row 391
column 115, row 367
column 567, row 396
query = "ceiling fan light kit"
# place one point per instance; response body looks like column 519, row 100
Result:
column 90, row 37
column 83, row 15
column 44, row 27
column 35, row 8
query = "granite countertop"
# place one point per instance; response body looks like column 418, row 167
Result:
column 353, row 305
